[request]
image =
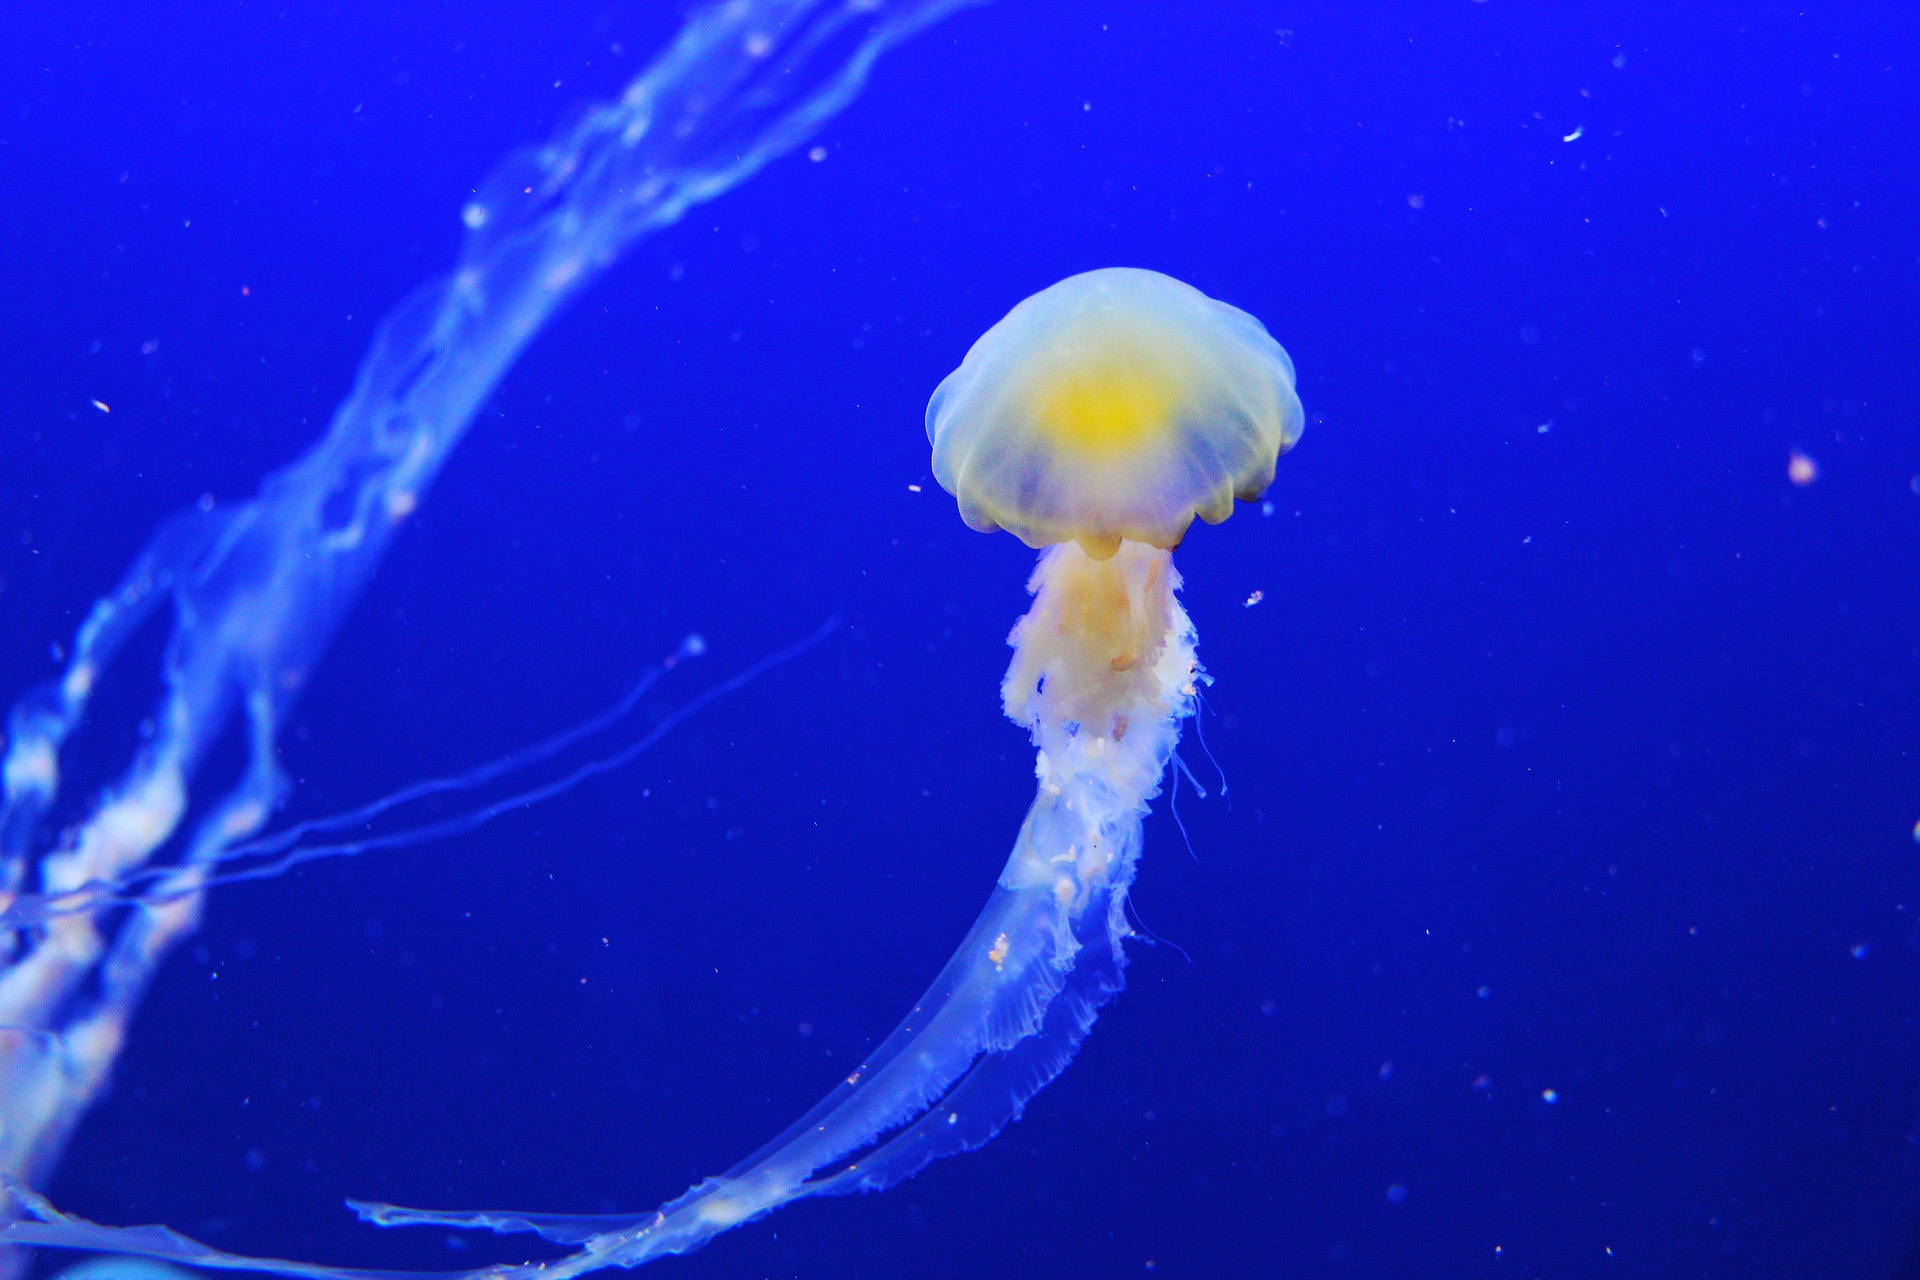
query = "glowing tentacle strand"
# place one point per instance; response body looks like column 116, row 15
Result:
column 258, row 589
column 1103, row 675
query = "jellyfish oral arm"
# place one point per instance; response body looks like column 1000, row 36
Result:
column 1103, row 676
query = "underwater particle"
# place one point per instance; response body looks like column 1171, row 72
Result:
column 1254, row 599
column 1416, row 201
column 1482, row 1083
column 1916, row 832
column 101, row 405
column 1386, row 1070
column 1544, row 427
column 1913, row 483
column 1579, row 131
column 817, row 154
column 1550, row 1096
column 1397, row 1193
column 1001, row 946
column 1483, row 992
column 913, row 488
column 1801, row 469
column 1859, row 950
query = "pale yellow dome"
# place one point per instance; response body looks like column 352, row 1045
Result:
column 1116, row 404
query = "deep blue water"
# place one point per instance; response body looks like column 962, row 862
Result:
column 1560, row 919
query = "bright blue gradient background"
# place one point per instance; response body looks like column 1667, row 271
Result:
column 1610, row 720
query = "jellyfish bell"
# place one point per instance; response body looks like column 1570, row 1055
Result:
column 1114, row 406
column 1094, row 422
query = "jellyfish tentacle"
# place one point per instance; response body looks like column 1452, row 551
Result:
column 996, row 1090
column 154, row 886
column 34, row 1221
column 978, row 1009
column 1014, row 1002
column 1004, row 1015
column 259, row 587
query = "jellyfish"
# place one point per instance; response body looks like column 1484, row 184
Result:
column 257, row 588
column 1095, row 421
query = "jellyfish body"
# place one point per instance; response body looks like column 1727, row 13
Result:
column 1046, row 431
column 1116, row 405
column 1103, row 676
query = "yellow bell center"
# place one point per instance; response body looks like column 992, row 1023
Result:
column 1106, row 410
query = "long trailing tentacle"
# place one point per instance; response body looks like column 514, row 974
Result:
column 258, row 588
column 1001, row 1020
column 1013, row 1004
column 269, row 856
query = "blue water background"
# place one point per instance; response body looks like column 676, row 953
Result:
column 1572, row 747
